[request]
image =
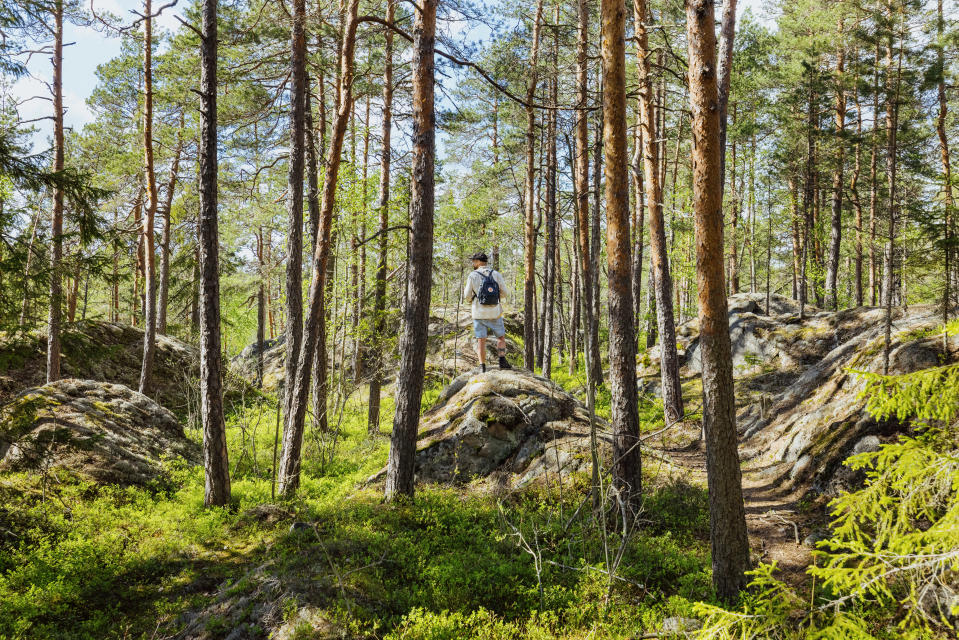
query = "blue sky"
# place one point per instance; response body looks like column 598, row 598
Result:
column 89, row 48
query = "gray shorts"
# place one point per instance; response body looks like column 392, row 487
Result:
column 481, row 327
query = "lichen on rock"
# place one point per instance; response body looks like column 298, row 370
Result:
column 102, row 432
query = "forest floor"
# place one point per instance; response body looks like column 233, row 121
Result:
column 782, row 522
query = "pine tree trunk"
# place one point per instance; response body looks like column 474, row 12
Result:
column 727, row 33
column 56, row 220
column 627, row 476
column 874, row 182
column 529, row 230
column 383, row 205
column 288, row 475
column 857, row 203
column 294, row 239
column 260, row 309
column 734, row 202
column 400, row 467
column 729, row 543
column 581, row 183
column 215, row 458
column 948, row 201
column 594, row 243
column 149, row 250
column 835, row 234
column 550, row 265
column 892, row 120
column 661, row 277
column 164, row 294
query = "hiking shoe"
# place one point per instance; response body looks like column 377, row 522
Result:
column 483, row 365
column 503, row 364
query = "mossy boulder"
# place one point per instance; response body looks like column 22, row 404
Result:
column 512, row 427
column 102, row 432
column 104, row 351
column 274, row 364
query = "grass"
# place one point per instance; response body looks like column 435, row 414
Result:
column 79, row 561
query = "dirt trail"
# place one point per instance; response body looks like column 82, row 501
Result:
column 776, row 523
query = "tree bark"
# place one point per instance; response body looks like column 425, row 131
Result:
column 550, row 263
column 581, row 181
column 857, row 202
column 215, row 458
column 383, row 205
column 529, row 228
column 164, row 294
column 835, row 234
column 659, row 254
column 948, row 201
column 727, row 33
column 594, row 239
column 874, row 181
column 400, row 467
column 729, row 544
column 288, row 475
column 892, row 121
column 627, row 476
column 149, row 214
column 294, row 239
column 56, row 220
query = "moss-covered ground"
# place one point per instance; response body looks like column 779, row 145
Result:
column 79, row 561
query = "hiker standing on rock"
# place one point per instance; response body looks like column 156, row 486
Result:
column 485, row 288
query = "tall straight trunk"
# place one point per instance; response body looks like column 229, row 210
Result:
column 652, row 333
column 796, row 232
column 874, row 181
column 728, row 540
column 809, row 197
column 627, row 476
column 751, row 237
column 733, row 220
column 661, row 279
column 727, row 33
column 288, row 475
column 529, row 229
column 313, row 207
column 835, row 233
column 25, row 306
column 948, row 201
column 594, row 238
column 215, row 458
column 409, row 388
column 195, row 298
column 581, row 181
column 164, row 293
column 149, row 214
column 857, row 202
column 639, row 220
column 294, row 187
column 892, row 121
column 260, row 309
column 550, row 264
column 360, row 342
column 56, row 220
column 383, row 206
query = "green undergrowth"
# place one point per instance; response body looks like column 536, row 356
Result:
column 890, row 566
column 80, row 561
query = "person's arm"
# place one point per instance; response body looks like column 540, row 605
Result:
column 468, row 291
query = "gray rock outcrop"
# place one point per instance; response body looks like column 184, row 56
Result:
column 511, row 427
column 103, row 432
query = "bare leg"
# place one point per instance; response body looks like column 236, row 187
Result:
column 481, row 348
column 501, row 347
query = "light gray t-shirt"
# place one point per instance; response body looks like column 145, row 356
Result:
column 473, row 283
